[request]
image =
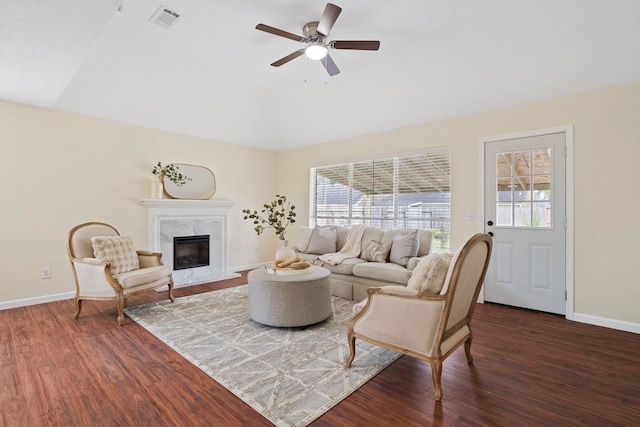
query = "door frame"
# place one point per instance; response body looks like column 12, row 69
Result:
column 568, row 132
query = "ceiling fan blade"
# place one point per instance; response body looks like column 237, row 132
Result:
column 288, row 58
column 277, row 32
column 329, row 16
column 330, row 66
column 356, row 44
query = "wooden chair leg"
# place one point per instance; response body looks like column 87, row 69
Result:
column 120, row 305
column 78, row 303
column 467, row 350
column 171, row 291
column 352, row 348
column 436, row 375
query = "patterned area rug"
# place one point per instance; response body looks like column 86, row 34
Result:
column 289, row 375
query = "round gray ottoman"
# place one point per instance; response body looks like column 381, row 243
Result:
column 285, row 300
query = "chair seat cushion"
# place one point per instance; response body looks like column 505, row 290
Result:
column 143, row 276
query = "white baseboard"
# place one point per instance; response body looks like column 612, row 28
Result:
column 6, row 305
column 607, row 323
column 36, row 300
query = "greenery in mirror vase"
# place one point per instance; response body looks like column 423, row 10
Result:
column 277, row 215
column 172, row 172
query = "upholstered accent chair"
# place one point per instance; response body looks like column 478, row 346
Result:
column 106, row 266
column 422, row 325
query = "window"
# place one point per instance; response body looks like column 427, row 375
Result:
column 404, row 191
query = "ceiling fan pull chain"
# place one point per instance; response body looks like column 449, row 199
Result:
column 306, row 64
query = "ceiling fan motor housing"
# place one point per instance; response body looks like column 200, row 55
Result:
column 310, row 32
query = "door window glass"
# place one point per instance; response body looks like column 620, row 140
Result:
column 523, row 188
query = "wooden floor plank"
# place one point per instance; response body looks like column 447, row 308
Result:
column 529, row 369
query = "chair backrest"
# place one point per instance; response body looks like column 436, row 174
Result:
column 465, row 278
column 79, row 239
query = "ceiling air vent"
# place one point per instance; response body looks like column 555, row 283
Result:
column 165, row 17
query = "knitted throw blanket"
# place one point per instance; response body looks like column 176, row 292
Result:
column 351, row 248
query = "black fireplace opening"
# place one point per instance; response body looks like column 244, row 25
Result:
column 190, row 252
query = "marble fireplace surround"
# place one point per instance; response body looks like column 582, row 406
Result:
column 168, row 218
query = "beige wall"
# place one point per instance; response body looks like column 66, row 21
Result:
column 60, row 169
column 606, row 151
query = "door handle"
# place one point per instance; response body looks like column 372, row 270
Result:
column 490, row 233
column 490, row 223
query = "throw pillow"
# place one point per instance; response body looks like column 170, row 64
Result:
column 118, row 251
column 404, row 247
column 376, row 251
column 430, row 274
column 323, row 240
column 304, row 235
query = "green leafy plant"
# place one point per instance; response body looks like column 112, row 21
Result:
column 277, row 215
column 172, row 172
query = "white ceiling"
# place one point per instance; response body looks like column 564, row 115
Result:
column 209, row 75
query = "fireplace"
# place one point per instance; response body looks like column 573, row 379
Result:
column 190, row 251
column 170, row 218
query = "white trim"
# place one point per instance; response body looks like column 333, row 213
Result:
column 620, row 325
column 6, row 305
column 568, row 132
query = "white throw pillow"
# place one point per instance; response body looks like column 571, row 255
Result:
column 119, row 251
column 404, row 247
column 304, row 235
column 430, row 274
column 376, row 251
column 323, row 240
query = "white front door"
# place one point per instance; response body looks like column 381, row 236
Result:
column 525, row 204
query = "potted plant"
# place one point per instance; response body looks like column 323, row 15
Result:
column 170, row 171
column 277, row 215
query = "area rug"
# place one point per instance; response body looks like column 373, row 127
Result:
column 289, row 375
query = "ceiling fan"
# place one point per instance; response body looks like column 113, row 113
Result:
column 315, row 35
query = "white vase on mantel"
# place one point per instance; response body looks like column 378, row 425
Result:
column 157, row 188
column 285, row 252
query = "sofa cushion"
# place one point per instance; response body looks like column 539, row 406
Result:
column 404, row 247
column 118, row 251
column 382, row 271
column 376, row 251
column 345, row 267
column 430, row 274
column 323, row 240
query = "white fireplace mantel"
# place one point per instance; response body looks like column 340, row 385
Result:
column 168, row 218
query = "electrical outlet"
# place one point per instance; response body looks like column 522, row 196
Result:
column 470, row 215
column 45, row 273
column 257, row 251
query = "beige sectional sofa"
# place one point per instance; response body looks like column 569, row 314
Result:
column 353, row 276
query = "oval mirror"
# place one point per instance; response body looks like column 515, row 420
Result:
column 202, row 185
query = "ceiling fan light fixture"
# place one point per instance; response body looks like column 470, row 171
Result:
column 316, row 51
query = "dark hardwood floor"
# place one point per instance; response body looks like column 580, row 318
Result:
column 529, row 369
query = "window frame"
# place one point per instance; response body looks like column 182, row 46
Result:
column 392, row 215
